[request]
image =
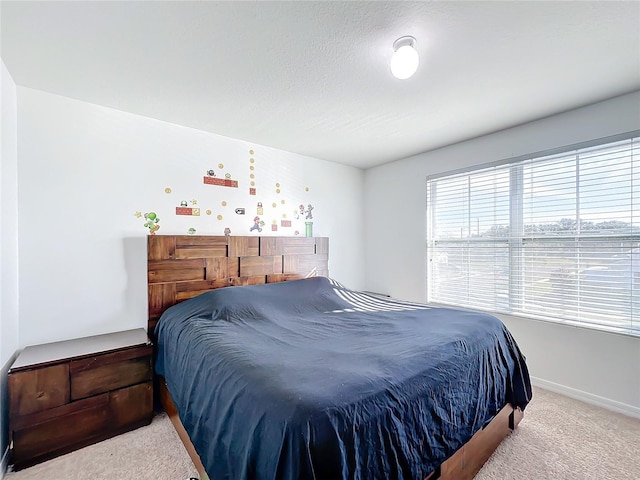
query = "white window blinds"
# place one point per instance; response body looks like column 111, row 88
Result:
column 554, row 237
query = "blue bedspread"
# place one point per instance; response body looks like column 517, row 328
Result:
column 310, row 380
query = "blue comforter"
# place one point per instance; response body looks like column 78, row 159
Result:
column 310, row 380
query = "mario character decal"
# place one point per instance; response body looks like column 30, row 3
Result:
column 306, row 212
column 257, row 224
column 151, row 222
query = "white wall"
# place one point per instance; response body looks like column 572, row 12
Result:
column 8, row 246
column 601, row 367
column 86, row 170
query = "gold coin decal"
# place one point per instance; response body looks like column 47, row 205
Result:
column 306, row 189
column 253, row 175
column 274, row 205
column 219, row 217
column 167, row 190
column 282, row 202
column 220, row 165
column 277, row 185
column 250, row 152
column 251, row 167
column 224, row 204
column 277, row 190
column 208, row 212
column 253, row 184
column 251, row 160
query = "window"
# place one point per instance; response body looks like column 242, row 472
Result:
column 555, row 237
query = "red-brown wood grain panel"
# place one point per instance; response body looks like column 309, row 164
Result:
column 250, row 266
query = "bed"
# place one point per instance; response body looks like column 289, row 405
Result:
column 295, row 376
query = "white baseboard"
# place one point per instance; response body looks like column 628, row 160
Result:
column 603, row 402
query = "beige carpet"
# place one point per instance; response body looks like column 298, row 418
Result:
column 559, row 439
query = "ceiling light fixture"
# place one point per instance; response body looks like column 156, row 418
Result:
column 405, row 59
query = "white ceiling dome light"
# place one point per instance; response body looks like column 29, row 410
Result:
column 405, row 59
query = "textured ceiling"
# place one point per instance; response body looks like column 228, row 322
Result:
column 313, row 77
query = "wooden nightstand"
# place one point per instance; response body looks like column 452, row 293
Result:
column 67, row 395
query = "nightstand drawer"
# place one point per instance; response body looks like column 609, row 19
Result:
column 58, row 433
column 39, row 389
column 103, row 373
column 131, row 405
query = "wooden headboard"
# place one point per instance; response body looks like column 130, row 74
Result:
column 183, row 266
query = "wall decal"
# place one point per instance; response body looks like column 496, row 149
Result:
column 308, row 212
column 188, row 211
column 257, row 224
column 296, row 211
column 308, row 226
column 221, row 182
column 227, row 231
column 252, row 189
column 151, row 223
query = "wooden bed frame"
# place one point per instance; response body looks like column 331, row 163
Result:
column 183, row 266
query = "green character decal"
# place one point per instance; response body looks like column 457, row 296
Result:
column 151, row 223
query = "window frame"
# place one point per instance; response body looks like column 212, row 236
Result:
column 515, row 300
